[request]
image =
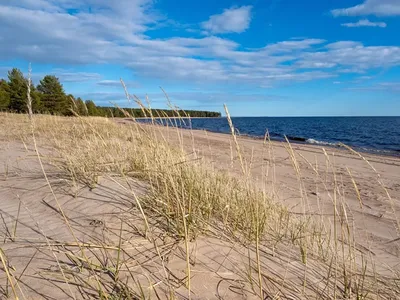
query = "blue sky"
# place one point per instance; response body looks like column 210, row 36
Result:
column 260, row 57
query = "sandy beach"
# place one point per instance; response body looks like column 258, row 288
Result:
column 375, row 212
column 308, row 180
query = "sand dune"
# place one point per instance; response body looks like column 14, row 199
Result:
column 376, row 219
column 36, row 240
column 106, row 226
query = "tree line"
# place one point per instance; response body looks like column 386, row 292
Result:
column 49, row 97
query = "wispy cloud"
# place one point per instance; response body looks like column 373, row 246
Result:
column 235, row 20
column 105, row 98
column 109, row 35
column 196, row 100
column 220, row 97
column 392, row 87
column 343, row 44
column 365, row 23
column 113, row 83
column 68, row 76
column 117, row 83
column 65, row 76
column 348, row 56
column 288, row 46
column 371, row 7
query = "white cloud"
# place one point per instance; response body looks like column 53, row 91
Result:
column 62, row 74
column 110, row 36
column 392, row 87
column 110, row 83
column 118, row 84
column 315, row 65
column 344, row 44
column 355, row 57
column 33, row 4
column 68, row 76
column 365, row 23
column 235, row 20
column 371, row 7
column 288, row 46
column 104, row 98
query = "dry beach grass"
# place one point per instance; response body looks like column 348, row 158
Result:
column 95, row 208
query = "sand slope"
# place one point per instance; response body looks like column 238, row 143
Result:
column 42, row 253
column 322, row 180
column 41, row 245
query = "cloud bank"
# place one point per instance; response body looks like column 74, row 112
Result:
column 371, row 7
column 71, row 32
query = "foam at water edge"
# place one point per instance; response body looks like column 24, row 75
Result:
column 312, row 141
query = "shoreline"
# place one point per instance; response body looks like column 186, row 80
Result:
column 315, row 148
column 378, row 153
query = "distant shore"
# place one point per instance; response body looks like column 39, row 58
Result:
column 166, row 118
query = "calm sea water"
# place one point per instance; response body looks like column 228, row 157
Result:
column 370, row 134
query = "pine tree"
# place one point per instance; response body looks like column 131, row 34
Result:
column 91, row 107
column 36, row 100
column 82, row 110
column 53, row 98
column 18, row 91
column 4, row 95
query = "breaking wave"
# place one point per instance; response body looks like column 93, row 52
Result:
column 312, row 141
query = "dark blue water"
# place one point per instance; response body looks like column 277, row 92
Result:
column 369, row 134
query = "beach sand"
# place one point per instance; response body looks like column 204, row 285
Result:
column 375, row 212
column 307, row 179
column 37, row 244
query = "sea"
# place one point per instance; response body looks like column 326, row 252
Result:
column 380, row 135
